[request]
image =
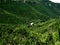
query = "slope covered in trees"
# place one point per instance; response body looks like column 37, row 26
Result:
column 15, row 19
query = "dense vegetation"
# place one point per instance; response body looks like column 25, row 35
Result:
column 15, row 17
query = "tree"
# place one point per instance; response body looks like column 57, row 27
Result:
column 24, row 1
column 2, row 1
column 45, row 0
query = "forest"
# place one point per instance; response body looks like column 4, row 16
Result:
column 29, row 22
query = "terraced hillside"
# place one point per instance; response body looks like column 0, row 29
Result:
column 15, row 19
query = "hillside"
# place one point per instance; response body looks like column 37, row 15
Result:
column 15, row 19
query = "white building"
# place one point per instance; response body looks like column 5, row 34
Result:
column 50, row 5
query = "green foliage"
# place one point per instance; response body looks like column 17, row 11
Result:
column 16, row 16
